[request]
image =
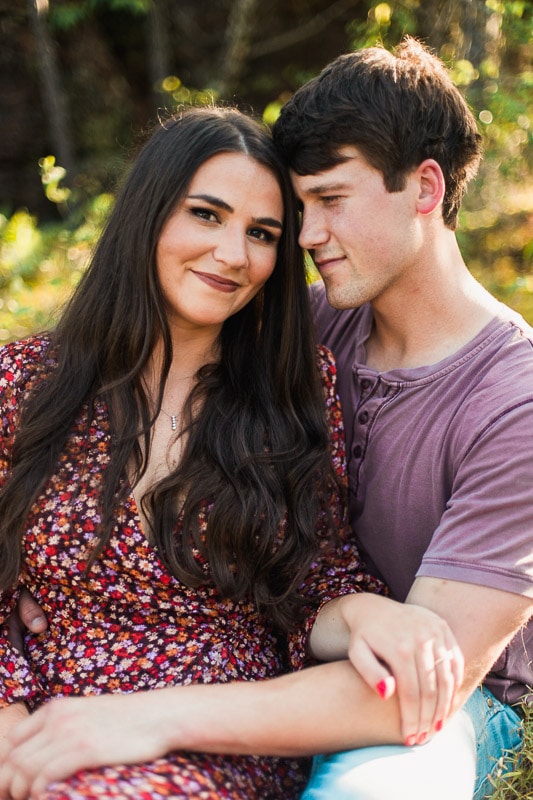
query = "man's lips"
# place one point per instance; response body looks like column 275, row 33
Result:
column 323, row 264
column 216, row 282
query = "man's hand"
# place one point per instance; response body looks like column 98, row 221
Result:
column 28, row 615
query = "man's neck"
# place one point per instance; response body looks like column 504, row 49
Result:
column 430, row 324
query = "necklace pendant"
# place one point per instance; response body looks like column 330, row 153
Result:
column 174, row 422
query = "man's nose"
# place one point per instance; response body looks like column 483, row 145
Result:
column 313, row 231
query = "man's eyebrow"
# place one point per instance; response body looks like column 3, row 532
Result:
column 324, row 188
column 218, row 203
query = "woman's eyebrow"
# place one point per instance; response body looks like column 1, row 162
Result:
column 218, row 203
column 272, row 223
column 215, row 201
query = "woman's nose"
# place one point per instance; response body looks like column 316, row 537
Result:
column 231, row 248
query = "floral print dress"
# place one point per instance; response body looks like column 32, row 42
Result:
column 129, row 624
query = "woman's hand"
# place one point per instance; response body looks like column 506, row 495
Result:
column 396, row 648
column 9, row 717
column 71, row 734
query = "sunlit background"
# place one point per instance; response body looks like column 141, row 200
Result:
column 81, row 80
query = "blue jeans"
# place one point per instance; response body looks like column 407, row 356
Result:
column 454, row 764
column 498, row 731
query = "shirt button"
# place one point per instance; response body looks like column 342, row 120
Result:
column 357, row 451
column 363, row 417
column 365, row 384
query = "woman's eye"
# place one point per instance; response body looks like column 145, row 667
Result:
column 205, row 213
column 330, row 198
column 261, row 234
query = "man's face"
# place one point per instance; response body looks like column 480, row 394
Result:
column 363, row 239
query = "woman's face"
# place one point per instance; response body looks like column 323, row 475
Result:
column 218, row 248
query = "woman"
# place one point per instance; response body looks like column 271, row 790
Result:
column 172, row 488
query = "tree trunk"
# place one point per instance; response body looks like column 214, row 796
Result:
column 237, row 40
column 52, row 92
column 158, row 50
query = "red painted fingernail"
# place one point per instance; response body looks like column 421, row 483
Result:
column 422, row 738
column 381, row 689
column 410, row 741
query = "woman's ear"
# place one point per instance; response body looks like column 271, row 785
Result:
column 431, row 186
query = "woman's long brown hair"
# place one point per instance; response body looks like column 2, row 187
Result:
column 257, row 451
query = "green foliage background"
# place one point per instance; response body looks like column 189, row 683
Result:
column 41, row 260
column 254, row 54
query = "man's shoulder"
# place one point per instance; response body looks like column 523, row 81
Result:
column 512, row 346
column 495, row 378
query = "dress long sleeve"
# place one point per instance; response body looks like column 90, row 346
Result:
column 338, row 569
column 18, row 681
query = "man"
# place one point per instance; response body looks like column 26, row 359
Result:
column 435, row 378
column 437, row 388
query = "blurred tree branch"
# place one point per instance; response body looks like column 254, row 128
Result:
column 310, row 28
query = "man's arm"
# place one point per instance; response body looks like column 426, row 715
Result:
column 324, row 708
column 482, row 619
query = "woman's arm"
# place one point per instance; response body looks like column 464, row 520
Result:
column 394, row 647
column 323, row 708
column 10, row 716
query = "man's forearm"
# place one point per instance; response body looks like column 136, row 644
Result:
column 482, row 619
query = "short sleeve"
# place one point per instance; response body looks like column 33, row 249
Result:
column 485, row 534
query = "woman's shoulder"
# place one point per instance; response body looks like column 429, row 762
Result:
column 326, row 365
column 327, row 369
column 20, row 360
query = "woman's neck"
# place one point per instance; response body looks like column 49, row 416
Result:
column 190, row 352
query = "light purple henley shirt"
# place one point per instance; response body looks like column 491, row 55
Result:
column 440, row 461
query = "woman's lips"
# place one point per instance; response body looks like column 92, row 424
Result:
column 216, row 282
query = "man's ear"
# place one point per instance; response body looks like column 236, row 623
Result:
column 431, row 186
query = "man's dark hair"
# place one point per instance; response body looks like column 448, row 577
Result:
column 396, row 108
